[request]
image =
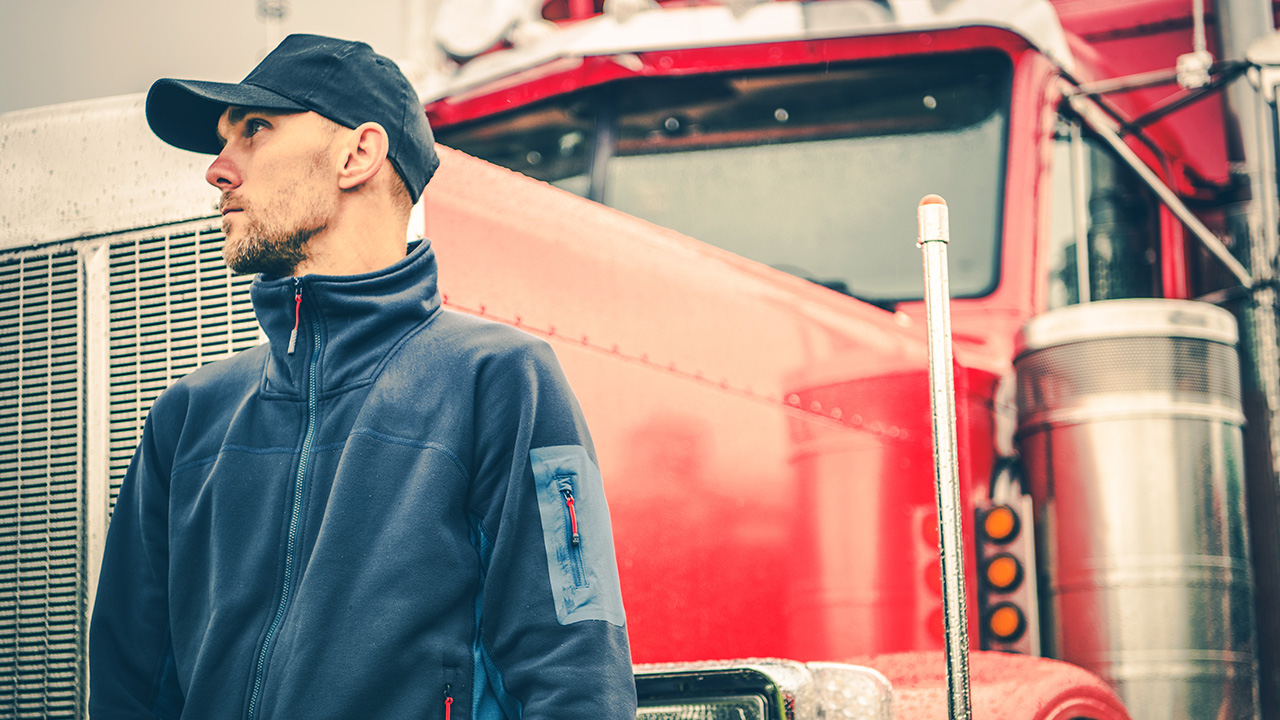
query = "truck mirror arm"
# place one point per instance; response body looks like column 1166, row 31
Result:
column 1221, row 74
column 1093, row 116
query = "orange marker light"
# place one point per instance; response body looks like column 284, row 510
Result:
column 1006, row 622
column 1000, row 524
column 1003, row 572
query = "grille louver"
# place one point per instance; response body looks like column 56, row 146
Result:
column 42, row 623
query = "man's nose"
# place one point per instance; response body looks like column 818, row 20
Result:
column 223, row 174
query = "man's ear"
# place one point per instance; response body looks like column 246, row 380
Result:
column 366, row 153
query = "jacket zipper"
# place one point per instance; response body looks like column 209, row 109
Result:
column 448, row 701
column 291, row 552
column 297, row 315
column 565, row 484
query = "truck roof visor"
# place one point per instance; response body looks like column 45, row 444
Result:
column 184, row 113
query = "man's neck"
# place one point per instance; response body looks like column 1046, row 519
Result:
column 347, row 250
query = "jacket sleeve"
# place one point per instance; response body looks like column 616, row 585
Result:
column 131, row 668
column 552, row 624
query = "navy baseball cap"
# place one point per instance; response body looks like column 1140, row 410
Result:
column 344, row 81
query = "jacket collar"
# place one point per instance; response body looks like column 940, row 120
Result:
column 354, row 320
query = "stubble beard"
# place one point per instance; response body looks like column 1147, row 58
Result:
column 268, row 250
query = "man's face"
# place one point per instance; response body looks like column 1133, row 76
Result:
column 278, row 184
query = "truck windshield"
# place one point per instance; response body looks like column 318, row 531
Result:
column 814, row 171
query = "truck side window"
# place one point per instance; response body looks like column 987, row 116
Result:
column 1099, row 200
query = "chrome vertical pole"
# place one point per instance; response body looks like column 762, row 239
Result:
column 934, row 236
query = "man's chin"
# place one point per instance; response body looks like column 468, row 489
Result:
column 248, row 250
column 234, row 258
column 241, row 263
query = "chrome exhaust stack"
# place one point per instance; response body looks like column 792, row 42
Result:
column 1129, row 417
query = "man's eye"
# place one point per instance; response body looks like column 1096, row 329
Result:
column 251, row 127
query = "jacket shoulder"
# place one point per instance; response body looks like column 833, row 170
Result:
column 231, row 372
column 233, row 375
column 479, row 341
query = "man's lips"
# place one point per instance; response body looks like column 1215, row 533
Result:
column 227, row 205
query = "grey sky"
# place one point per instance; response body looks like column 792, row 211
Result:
column 54, row 51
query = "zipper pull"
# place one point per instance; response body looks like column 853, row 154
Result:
column 573, row 518
column 448, row 701
column 297, row 315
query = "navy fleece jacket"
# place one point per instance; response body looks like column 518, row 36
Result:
column 401, row 518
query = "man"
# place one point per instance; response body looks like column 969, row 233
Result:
column 389, row 510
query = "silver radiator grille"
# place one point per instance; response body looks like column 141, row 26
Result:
column 42, row 626
column 174, row 307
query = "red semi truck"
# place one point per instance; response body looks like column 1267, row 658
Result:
column 727, row 269
column 1065, row 135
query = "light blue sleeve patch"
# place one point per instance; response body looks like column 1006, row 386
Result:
column 584, row 573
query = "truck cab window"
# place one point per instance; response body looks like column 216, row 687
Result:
column 816, row 172
column 1101, row 216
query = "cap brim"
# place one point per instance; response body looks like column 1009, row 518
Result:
column 184, row 113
